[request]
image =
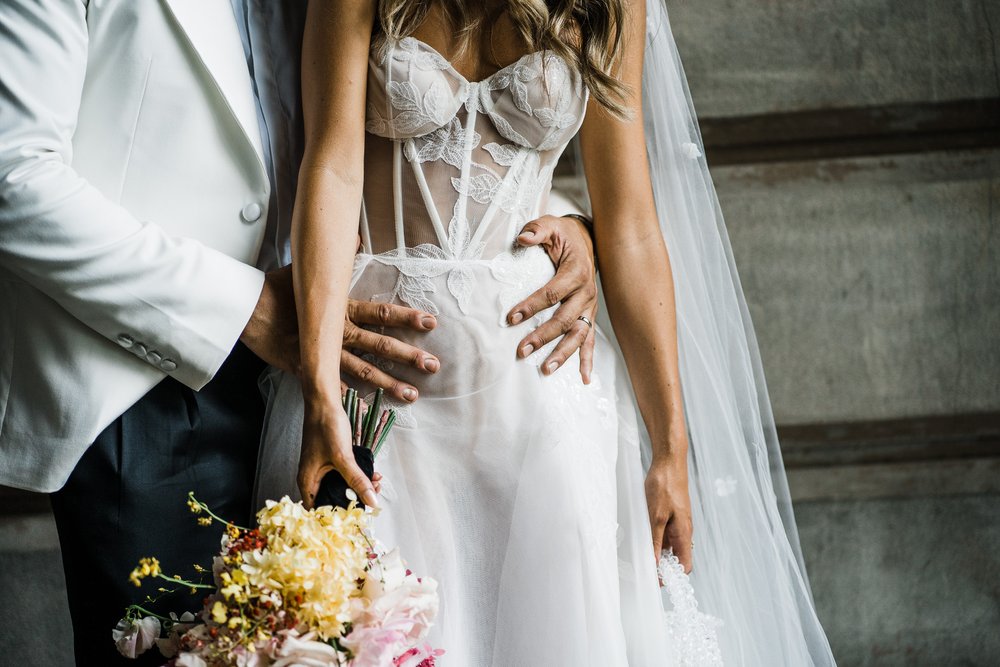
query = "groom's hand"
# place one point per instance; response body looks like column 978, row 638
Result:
column 273, row 335
column 361, row 340
column 273, row 330
column 571, row 249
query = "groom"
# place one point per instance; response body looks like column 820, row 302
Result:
column 148, row 156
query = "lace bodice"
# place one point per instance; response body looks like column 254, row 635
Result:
column 454, row 168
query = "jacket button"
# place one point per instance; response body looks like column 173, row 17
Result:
column 125, row 340
column 251, row 213
column 168, row 365
column 154, row 357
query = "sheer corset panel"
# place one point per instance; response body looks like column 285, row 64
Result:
column 454, row 168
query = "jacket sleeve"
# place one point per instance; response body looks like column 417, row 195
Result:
column 174, row 302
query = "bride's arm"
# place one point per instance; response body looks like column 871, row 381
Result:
column 324, row 226
column 639, row 290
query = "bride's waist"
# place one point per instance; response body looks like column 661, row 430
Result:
column 470, row 299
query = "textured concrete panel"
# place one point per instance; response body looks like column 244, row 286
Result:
column 908, row 583
column 35, row 629
column 748, row 57
column 874, row 283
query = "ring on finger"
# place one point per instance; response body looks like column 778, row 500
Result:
column 586, row 320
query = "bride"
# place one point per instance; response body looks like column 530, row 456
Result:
column 536, row 496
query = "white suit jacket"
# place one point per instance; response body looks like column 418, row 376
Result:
column 133, row 201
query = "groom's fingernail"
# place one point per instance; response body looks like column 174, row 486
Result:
column 410, row 394
column 431, row 364
column 428, row 322
column 527, row 349
column 527, row 235
column 516, row 318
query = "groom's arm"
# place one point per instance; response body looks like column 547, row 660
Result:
column 120, row 276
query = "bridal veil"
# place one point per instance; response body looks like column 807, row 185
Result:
column 748, row 567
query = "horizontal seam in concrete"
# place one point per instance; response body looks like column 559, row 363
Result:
column 852, row 132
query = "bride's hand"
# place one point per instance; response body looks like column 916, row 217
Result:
column 670, row 508
column 573, row 288
column 326, row 446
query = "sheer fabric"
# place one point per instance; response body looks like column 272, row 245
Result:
column 523, row 494
column 748, row 568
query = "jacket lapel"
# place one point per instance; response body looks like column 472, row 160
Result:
column 210, row 27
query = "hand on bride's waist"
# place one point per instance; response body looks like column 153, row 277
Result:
column 272, row 334
column 572, row 288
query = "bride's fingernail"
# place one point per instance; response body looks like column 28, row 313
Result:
column 527, row 235
column 410, row 394
column 370, row 499
column 431, row 364
column 527, row 349
column 516, row 318
column 553, row 365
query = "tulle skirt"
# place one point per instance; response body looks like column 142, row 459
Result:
column 521, row 494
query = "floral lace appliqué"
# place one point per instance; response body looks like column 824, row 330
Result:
column 693, row 633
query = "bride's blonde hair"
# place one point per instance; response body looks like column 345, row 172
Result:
column 587, row 34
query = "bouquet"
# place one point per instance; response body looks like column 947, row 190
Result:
column 306, row 587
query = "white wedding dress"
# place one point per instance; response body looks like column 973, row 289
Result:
column 522, row 495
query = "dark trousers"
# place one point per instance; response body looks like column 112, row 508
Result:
column 127, row 499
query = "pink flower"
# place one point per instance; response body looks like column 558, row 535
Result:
column 374, row 646
column 419, row 656
column 171, row 644
column 396, row 598
column 135, row 637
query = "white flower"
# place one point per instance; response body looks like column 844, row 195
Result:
column 190, row 660
column 305, row 650
column 135, row 637
column 171, row 644
column 690, row 150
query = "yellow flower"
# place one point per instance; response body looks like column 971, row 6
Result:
column 195, row 507
column 204, row 521
column 313, row 560
column 148, row 567
column 234, row 586
column 219, row 612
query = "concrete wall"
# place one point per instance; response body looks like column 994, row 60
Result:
column 873, row 283
column 746, row 57
column 906, row 582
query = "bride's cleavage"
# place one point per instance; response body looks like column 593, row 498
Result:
column 485, row 58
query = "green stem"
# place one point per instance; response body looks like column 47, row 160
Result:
column 212, row 514
column 150, row 613
column 182, row 582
